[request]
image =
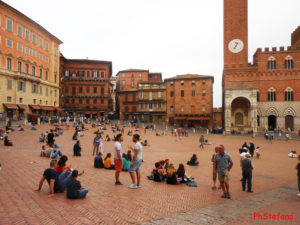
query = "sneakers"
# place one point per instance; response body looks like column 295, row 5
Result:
column 138, row 186
column 298, row 194
column 132, row 186
column 118, row 183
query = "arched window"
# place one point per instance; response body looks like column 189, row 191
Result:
column 271, row 63
column 289, row 94
column 272, row 95
column 288, row 63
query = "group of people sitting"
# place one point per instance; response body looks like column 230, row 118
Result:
column 61, row 177
column 107, row 162
column 293, row 154
column 164, row 171
column 52, row 151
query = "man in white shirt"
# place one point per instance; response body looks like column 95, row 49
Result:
column 136, row 161
column 118, row 158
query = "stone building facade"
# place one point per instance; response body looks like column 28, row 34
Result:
column 190, row 100
column 141, row 96
column 86, row 87
column 262, row 95
column 29, row 67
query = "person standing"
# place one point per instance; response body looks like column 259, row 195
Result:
column 67, row 124
column 96, row 144
column 118, row 158
column 100, row 142
column 298, row 174
column 223, row 164
column 202, row 142
column 251, row 149
column 214, row 170
column 136, row 162
column 50, row 138
column 247, row 167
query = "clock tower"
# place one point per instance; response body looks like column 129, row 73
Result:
column 235, row 33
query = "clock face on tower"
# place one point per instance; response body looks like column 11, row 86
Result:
column 236, row 46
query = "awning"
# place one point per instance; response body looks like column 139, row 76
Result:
column 46, row 108
column 35, row 106
column 180, row 118
column 22, row 106
column 58, row 109
column 10, row 106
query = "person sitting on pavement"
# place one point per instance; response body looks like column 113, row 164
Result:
column 181, row 174
column 61, row 165
column 74, row 189
column 158, row 173
column 126, row 162
column 293, row 154
column 77, row 149
column 171, row 175
column 42, row 138
column 129, row 156
column 57, row 183
column 107, row 162
column 167, row 163
column 33, row 127
column 107, row 138
column 98, row 161
column 54, row 153
column 194, row 161
column 20, row 128
column 44, row 152
column 7, row 142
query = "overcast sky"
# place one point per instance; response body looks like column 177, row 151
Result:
column 169, row 36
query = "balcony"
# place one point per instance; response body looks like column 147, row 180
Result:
column 85, row 95
column 77, row 78
column 21, row 75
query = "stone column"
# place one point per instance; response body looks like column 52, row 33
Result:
column 227, row 119
column 253, row 115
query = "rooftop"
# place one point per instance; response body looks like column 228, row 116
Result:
column 189, row 76
column 18, row 13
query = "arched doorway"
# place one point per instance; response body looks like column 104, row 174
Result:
column 289, row 122
column 240, row 112
column 272, row 122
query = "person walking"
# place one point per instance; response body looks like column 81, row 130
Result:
column 118, row 158
column 202, row 141
column 136, row 162
column 247, row 167
column 223, row 164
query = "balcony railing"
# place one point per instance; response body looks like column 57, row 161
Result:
column 78, row 78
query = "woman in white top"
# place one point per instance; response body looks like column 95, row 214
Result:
column 100, row 141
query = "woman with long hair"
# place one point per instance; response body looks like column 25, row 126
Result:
column 171, row 175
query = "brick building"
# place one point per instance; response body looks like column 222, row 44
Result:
column 86, row 88
column 266, row 93
column 141, row 96
column 29, row 66
column 189, row 100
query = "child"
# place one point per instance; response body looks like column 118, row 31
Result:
column 98, row 162
column 74, row 189
column 257, row 150
column 44, row 152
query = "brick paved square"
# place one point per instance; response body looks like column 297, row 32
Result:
column 22, row 168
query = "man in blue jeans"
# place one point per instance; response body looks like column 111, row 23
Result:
column 136, row 162
column 57, row 183
column 74, row 189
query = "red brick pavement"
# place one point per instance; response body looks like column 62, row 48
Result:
column 108, row 204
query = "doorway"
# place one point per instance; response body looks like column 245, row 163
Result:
column 272, row 122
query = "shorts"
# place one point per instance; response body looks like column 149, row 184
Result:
column 118, row 165
column 224, row 176
column 136, row 166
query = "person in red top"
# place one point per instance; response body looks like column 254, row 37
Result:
column 61, row 165
column 214, row 171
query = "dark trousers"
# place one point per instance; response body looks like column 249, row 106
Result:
column 247, row 177
column 299, row 183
